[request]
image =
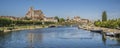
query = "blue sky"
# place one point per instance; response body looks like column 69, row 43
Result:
column 88, row 9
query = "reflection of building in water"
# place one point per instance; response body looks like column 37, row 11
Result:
column 38, row 37
column 34, row 37
column 30, row 39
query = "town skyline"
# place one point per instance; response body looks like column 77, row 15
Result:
column 63, row 8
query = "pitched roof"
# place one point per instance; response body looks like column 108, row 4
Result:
column 37, row 11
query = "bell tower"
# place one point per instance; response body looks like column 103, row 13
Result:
column 31, row 8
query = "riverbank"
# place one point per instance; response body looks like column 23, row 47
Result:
column 16, row 28
column 99, row 28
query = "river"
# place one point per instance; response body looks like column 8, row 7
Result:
column 62, row 37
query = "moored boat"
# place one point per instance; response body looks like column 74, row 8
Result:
column 109, row 34
column 97, row 31
column 51, row 26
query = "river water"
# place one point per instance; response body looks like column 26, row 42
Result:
column 63, row 37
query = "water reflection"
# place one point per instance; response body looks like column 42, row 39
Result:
column 67, row 37
column 4, row 38
column 34, row 38
column 104, row 39
column 117, row 40
column 30, row 39
column 1, row 40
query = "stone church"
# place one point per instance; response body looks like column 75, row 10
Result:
column 35, row 14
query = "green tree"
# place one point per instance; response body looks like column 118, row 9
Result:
column 97, row 23
column 61, row 20
column 5, row 22
column 56, row 17
column 104, row 16
column 26, row 18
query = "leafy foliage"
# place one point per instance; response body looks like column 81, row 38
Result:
column 104, row 16
column 56, row 17
column 108, row 24
column 59, row 19
column 5, row 22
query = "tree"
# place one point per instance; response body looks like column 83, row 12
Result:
column 5, row 22
column 104, row 16
column 56, row 17
column 97, row 23
column 26, row 18
column 61, row 20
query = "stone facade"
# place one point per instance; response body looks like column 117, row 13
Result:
column 84, row 21
column 38, row 15
column 11, row 17
column 78, row 19
column 35, row 14
column 50, row 19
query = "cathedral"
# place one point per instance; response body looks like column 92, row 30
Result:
column 35, row 14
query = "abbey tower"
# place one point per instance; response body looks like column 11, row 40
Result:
column 35, row 14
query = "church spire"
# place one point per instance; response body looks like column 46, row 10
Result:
column 31, row 8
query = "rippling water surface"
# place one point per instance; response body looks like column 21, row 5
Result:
column 63, row 37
